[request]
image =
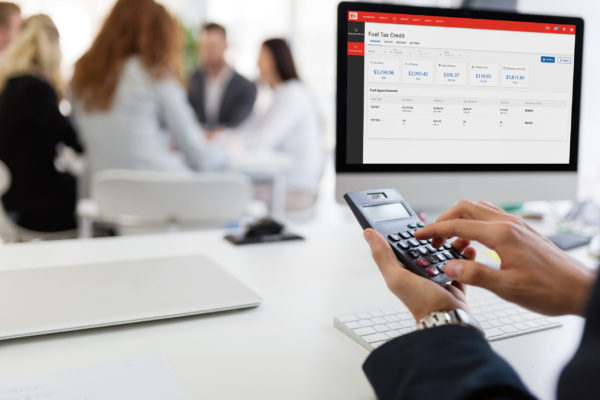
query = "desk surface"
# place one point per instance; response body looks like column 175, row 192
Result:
column 286, row 348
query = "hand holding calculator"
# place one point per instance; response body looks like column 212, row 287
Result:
column 389, row 214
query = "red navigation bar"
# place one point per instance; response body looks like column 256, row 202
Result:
column 450, row 22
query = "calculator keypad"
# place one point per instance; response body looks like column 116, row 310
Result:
column 432, row 260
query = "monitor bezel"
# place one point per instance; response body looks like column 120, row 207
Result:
column 342, row 77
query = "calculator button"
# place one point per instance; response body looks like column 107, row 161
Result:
column 433, row 258
column 405, row 235
column 423, row 262
column 441, row 266
column 420, row 224
column 429, row 240
column 448, row 255
column 394, row 237
column 430, row 248
column 403, row 245
column 413, row 253
column 412, row 226
column 447, row 246
column 431, row 271
column 423, row 242
column 441, row 256
column 413, row 242
column 423, row 251
column 412, row 231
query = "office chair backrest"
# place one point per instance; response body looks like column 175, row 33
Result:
column 134, row 198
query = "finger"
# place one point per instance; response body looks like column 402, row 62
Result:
column 392, row 270
column 474, row 273
column 493, row 207
column 461, row 244
column 483, row 232
column 469, row 253
column 469, row 210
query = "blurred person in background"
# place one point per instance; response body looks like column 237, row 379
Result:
column 129, row 105
column 33, row 130
column 220, row 96
column 10, row 23
column 290, row 125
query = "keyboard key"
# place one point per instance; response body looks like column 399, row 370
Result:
column 441, row 256
column 423, row 241
column 347, row 318
column 381, row 328
column 391, row 318
column 394, row 325
column 413, row 242
column 508, row 329
column 413, row 253
column 364, row 331
column 379, row 320
column 492, row 332
column 363, row 315
column 377, row 337
column 420, row 225
column 376, row 313
column 447, row 246
column 430, row 248
column 423, row 251
column 366, row 322
column 432, row 271
column 353, row 325
column 405, row 235
column 423, row 262
column 447, row 254
column 393, row 334
column 412, row 226
column 393, row 237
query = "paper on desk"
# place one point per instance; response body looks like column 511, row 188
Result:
column 146, row 377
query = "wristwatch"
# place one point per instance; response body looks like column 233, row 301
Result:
column 455, row 317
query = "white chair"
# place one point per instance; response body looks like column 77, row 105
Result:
column 11, row 232
column 142, row 201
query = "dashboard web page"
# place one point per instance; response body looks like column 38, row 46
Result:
column 440, row 90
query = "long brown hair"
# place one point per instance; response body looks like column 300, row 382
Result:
column 284, row 61
column 133, row 27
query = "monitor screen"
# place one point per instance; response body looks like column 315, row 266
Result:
column 439, row 92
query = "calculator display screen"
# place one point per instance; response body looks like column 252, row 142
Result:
column 386, row 212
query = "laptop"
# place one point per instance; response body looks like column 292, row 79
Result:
column 41, row 301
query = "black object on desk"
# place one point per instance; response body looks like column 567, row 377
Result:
column 569, row 240
column 264, row 230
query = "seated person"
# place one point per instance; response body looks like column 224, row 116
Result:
column 129, row 105
column 290, row 125
column 456, row 362
column 10, row 23
column 32, row 129
column 221, row 97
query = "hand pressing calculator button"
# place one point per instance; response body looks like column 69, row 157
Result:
column 389, row 214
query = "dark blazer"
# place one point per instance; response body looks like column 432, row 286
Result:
column 31, row 129
column 236, row 104
column 454, row 362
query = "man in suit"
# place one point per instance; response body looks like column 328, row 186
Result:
column 10, row 23
column 221, row 97
column 448, row 357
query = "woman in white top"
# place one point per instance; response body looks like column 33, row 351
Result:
column 291, row 124
column 129, row 106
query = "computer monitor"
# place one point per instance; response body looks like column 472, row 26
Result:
column 445, row 104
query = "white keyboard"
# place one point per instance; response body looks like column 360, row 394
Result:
column 498, row 318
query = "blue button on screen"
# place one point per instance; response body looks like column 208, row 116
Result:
column 548, row 59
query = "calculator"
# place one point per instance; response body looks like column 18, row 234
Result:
column 388, row 213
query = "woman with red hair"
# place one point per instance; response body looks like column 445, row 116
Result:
column 129, row 105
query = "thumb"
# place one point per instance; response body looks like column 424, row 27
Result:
column 383, row 255
column 473, row 273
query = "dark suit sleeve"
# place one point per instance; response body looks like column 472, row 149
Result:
column 241, row 101
column 579, row 379
column 196, row 95
column 449, row 362
column 57, row 126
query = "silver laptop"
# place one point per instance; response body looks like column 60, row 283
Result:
column 47, row 300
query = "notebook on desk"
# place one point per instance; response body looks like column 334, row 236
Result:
column 40, row 301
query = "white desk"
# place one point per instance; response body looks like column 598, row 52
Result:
column 286, row 348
